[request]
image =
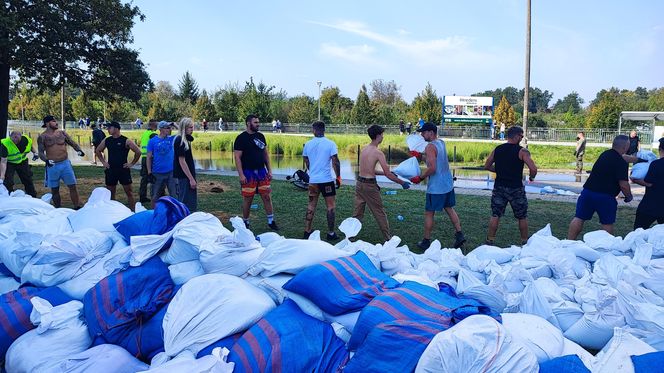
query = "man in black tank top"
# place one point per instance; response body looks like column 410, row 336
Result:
column 117, row 169
column 507, row 162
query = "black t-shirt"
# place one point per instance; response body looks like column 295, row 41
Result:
column 97, row 136
column 188, row 158
column 509, row 168
column 607, row 171
column 253, row 148
column 633, row 145
column 117, row 151
column 4, row 153
column 653, row 201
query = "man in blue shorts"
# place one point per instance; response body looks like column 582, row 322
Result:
column 440, row 187
column 607, row 179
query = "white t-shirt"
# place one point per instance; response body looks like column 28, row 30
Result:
column 319, row 150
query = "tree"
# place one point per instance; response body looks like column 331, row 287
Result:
column 335, row 108
column 226, row 102
column 504, row 113
column 255, row 99
column 428, row 106
column 362, row 112
column 570, row 103
column 203, row 108
column 386, row 93
column 81, row 43
column 188, row 88
column 303, row 109
column 605, row 109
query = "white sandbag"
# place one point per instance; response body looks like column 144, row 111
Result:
column 538, row 335
column 349, row 227
column 348, row 320
column 567, row 313
column 210, row 307
column 648, row 155
column 408, row 168
column 643, row 254
column 272, row 286
column 571, row 348
column 145, row 247
column 8, row 283
column 580, row 249
column 292, row 256
column 185, row 271
column 602, row 240
column 187, row 363
column 655, row 236
column 66, row 257
column 640, row 170
column 633, row 239
column 192, row 231
column 535, row 303
column 656, row 282
column 471, row 287
column 615, row 356
column 60, row 333
column 594, row 329
column 488, row 252
column 24, row 206
column 476, row 344
column 416, row 142
column 99, row 213
column 420, row 278
column 51, row 222
column 232, row 254
column 305, row 305
column 16, row 251
column 562, row 263
column 105, row 358
column 268, row 237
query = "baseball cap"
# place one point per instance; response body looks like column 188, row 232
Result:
column 661, row 143
column 113, row 124
column 428, row 126
column 47, row 119
column 164, row 124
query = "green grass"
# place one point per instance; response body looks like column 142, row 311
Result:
column 290, row 206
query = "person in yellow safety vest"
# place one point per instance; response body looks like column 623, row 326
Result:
column 145, row 179
column 14, row 158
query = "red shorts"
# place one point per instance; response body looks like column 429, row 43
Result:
column 257, row 182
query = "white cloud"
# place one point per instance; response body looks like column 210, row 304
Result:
column 356, row 54
column 195, row 61
column 403, row 32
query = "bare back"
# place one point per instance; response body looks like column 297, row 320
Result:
column 370, row 156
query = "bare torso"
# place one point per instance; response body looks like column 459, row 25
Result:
column 55, row 145
column 369, row 157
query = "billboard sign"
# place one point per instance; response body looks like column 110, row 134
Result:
column 466, row 109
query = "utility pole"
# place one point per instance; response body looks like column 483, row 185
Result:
column 526, row 92
column 319, row 83
column 62, row 104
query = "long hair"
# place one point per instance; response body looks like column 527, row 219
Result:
column 184, row 123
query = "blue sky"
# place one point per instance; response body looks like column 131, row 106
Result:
column 460, row 47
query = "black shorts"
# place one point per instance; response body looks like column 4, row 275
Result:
column 115, row 175
column 326, row 189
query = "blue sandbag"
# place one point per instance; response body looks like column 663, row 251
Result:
column 288, row 340
column 15, row 309
column 147, row 339
column 415, row 302
column 123, row 302
column 341, row 285
column 227, row 342
column 564, row 364
column 167, row 212
column 650, row 362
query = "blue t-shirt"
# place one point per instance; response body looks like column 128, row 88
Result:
column 162, row 154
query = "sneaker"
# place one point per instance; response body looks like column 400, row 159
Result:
column 306, row 235
column 247, row 225
column 424, row 244
column 332, row 236
column 273, row 226
column 523, row 242
column 490, row 243
column 459, row 239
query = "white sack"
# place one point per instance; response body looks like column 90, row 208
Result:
column 145, row 247
column 594, row 329
column 640, row 170
column 538, row 335
column 471, row 287
column 99, row 213
column 416, row 142
column 648, row 155
column 185, row 271
column 580, row 249
column 24, row 206
column 292, row 256
column 488, row 252
column 602, row 240
column 272, row 286
column 192, row 231
column 268, row 237
column 615, row 356
column 105, row 358
column 571, row 348
column 187, row 363
column 408, row 168
column 567, row 314
column 232, row 254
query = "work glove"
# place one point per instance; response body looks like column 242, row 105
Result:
column 415, row 179
column 405, row 185
column 338, row 182
column 35, row 157
column 80, row 153
column 415, row 153
column 50, row 163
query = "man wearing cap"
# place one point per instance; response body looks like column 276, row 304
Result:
column 145, row 138
column 160, row 162
column 98, row 136
column 52, row 145
column 14, row 158
column 651, row 207
column 507, row 161
column 117, row 169
column 440, row 187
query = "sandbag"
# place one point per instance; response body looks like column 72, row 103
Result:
column 231, row 254
column 640, row 170
column 185, row 271
column 147, row 340
column 567, row 364
column 594, row 329
column 166, row 214
column 477, row 344
column 571, row 348
column 104, row 358
column 24, row 206
column 187, row 363
column 649, row 362
column 543, row 339
column 615, row 356
column 408, row 168
column 341, row 285
column 292, row 256
column 470, row 287
column 211, row 307
column 60, row 333
column 290, row 341
column 226, row 342
column 99, row 213
column 416, row 142
column 190, row 233
column 535, row 303
column 566, row 313
column 488, row 252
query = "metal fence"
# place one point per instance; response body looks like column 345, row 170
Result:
column 535, row 134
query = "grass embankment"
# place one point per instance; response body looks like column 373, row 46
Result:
column 290, row 206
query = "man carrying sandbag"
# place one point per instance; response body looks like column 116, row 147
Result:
column 440, row 187
column 650, row 208
column 320, row 156
column 367, row 191
column 14, row 153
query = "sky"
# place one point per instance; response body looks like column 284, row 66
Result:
column 460, row 47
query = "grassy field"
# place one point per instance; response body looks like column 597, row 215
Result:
column 471, row 154
column 290, row 206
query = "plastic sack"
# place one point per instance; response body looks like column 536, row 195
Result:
column 101, row 359
column 416, row 142
column 60, row 333
column 594, row 329
column 470, row 287
column 408, row 168
column 100, row 212
column 226, row 342
column 602, row 240
column 292, row 256
column 24, row 206
column 185, row 271
column 488, row 252
column 648, row 155
column 190, row 233
column 477, row 344
column 640, row 170
column 210, row 307
column 166, row 214
column 567, row 364
column 571, row 348
column 649, row 362
column 538, row 335
column 187, row 363
column 232, row 254
column 615, row 356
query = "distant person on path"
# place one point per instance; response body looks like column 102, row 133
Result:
column 502, row 131
column 52, row 145
column 184, row 170
column 409, row 128
column 149, row 133
column 440, row 187
column 420, row 123
column 98, row 136
column 278, row 126
column 160, row 162
column 492, row 130
column 205, row 125
column 253, row 166
column 367, row 191
column 507, row 161
column 607, row 179
column 14, row 159
column 402, row 128
column 87, row 122
column 580, row 151
column 634, row 143
column 117, row 169
column 139, row 123
column 81, row 123
column 320, row 157
column 220, row 124
column 650, row 209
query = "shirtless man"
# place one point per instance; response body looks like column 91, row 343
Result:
column 52, row 145
column 367, row 191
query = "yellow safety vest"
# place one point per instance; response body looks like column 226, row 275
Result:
column 145, row 138
column 13, row 154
